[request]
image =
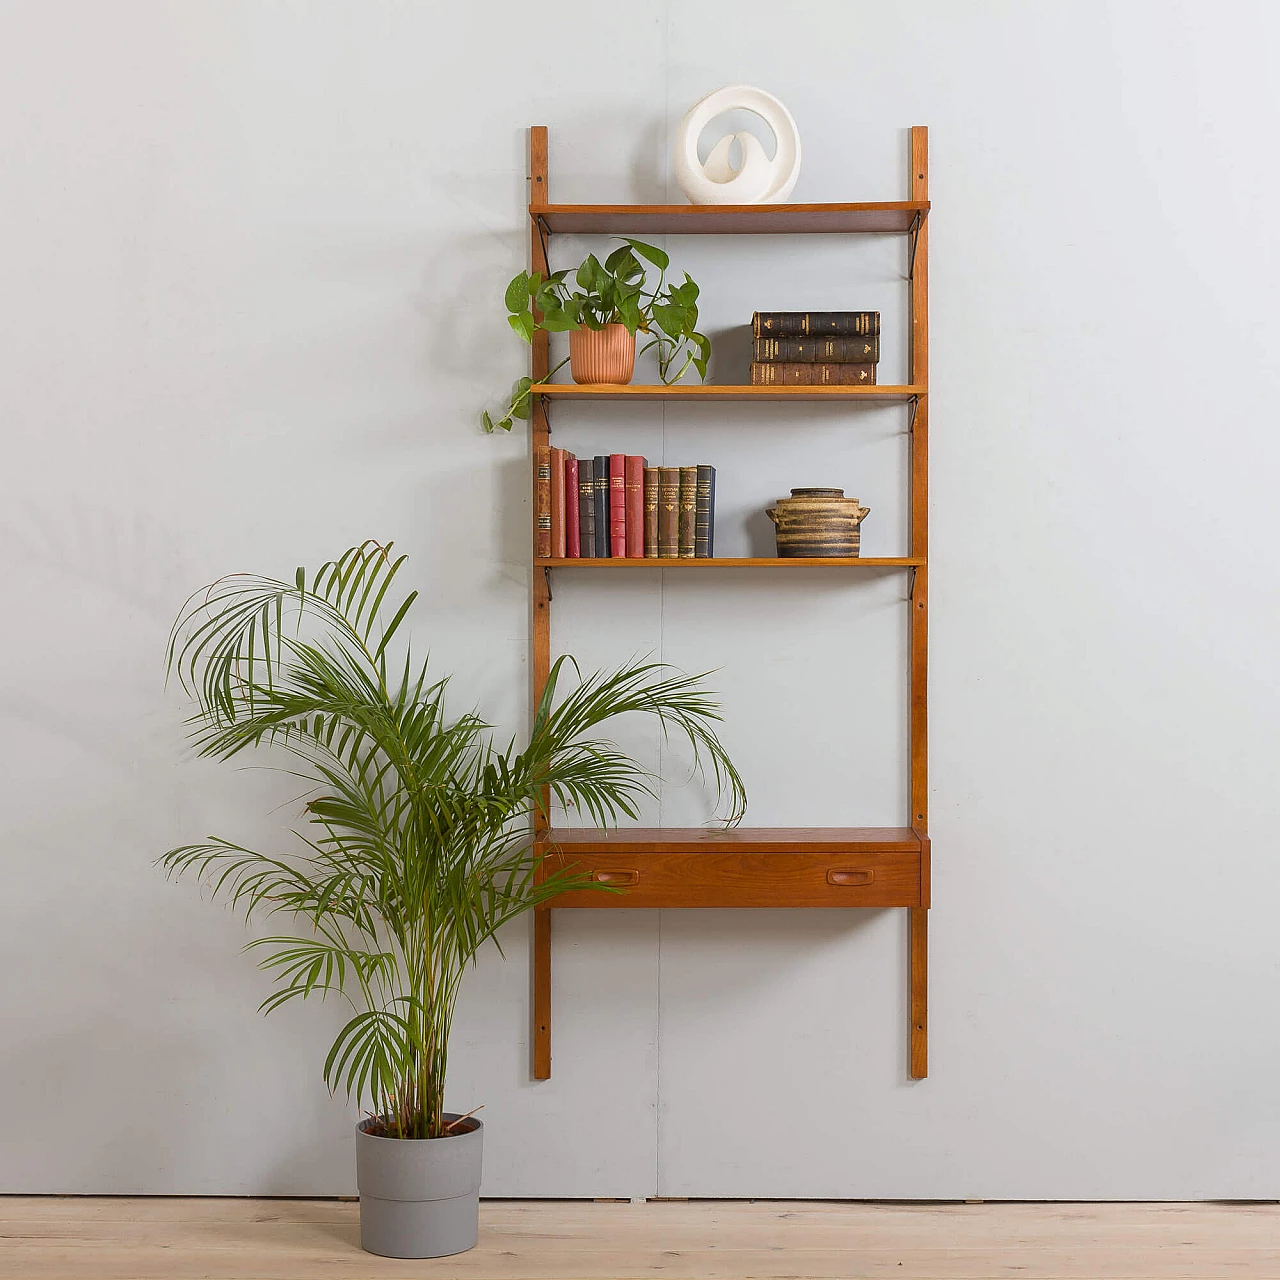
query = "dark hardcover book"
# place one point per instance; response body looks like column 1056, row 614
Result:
column 688, row 511
column 668, row 512
column 601, row 472
column 635, row 507
column 572, row 531
column 704, row 514
column 618, row 505
column 542, row 502
column 818, row 350
column 651, row 512
column 815, row 324
column 557, row 503
column 766, row 373
column 586, row 507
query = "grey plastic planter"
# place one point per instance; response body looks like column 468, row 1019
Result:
column 419, row 1199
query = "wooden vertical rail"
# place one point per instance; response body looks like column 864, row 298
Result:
column 918, row 917
column 540, row 620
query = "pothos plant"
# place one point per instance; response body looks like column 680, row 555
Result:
column 615, row 291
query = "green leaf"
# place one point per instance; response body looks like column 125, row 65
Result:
column 517, row 297
column 548, row 297
column 629, row 312
column 558, row 321
column 650, row 253
column 703, row 345
column 672, row 320
column 589, row 273
column 523, row 324
column 394, row 624
column 622, row 263
column 685, row 294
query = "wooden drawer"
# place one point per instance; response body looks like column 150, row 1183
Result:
column 723, row 879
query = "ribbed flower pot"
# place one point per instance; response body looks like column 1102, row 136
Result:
column 602, row 355
column 419, row 1198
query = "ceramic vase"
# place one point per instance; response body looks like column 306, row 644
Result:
column 817, row 522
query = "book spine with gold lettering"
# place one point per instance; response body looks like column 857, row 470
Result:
column 634, row 473
column 651, row 513
column 818, row 350
column 688, row 512
column 769, row 373
column 668, row 512
column 587, row 507
column 705, row 514
column 618, row 506
column 815, row 324
column 542, row 502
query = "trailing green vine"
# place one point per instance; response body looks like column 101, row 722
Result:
column 615, row 291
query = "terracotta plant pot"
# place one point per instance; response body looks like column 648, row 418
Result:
column 817, row 522
column 602, row 355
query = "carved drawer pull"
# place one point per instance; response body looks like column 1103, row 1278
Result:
column 850, row 877
column 616, row 877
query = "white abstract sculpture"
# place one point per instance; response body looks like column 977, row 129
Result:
column 758, row 180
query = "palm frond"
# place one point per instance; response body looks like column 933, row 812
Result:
column 415, row 846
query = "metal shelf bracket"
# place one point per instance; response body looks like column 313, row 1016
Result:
column 544, row 233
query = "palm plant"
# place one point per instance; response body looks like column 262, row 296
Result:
column 418, row 843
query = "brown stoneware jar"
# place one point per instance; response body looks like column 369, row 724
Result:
column 602, row 355
column 817, row 522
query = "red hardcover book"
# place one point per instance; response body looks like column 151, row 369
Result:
column 572, row 542
column 635, row 507
column 557, row 503
column 618, row 505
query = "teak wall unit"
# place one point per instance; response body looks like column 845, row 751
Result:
column 762, row 866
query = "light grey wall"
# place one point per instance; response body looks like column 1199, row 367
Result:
column 250, row 281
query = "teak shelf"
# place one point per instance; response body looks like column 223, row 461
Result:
column 703, row 391
column 883, row 217
column 755, row 867
column 738, row 562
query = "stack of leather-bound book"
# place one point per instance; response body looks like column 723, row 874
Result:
column 815, row 348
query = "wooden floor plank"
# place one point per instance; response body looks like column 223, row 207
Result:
column 58, row 1238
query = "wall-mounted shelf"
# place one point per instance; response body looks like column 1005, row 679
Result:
column 698, row 391
column 875, row 218
column 741, row 562
column 759, row 868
